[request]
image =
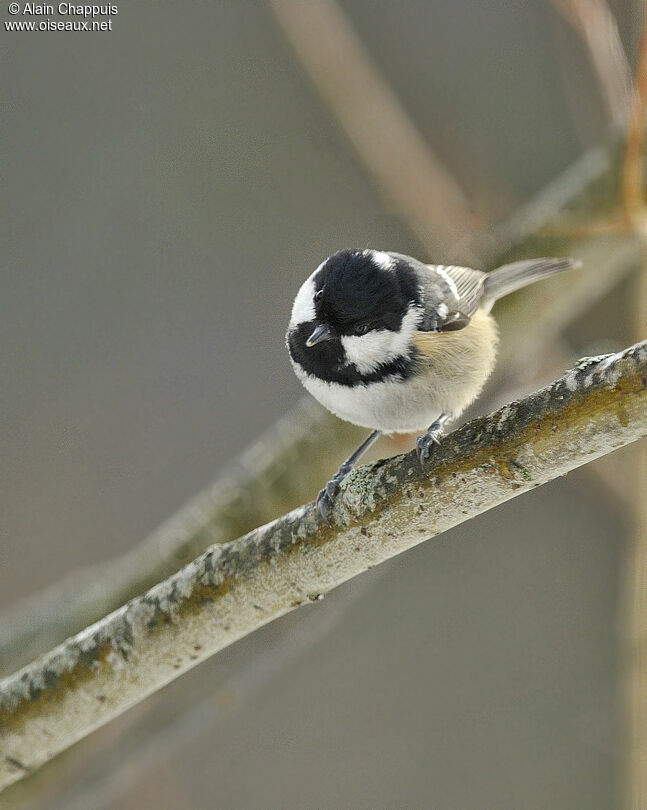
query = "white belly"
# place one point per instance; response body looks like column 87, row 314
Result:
column 393, row 407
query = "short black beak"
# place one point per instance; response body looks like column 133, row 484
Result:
column 321, row 332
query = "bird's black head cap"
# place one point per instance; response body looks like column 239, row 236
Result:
column 364, row 286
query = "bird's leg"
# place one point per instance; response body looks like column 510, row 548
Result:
column 432, row 436
column 325, row 496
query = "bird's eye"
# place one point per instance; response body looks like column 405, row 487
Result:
column 319, row 295
column 362, row 328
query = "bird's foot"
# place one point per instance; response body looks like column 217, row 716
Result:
column 325, row 496
column 425, row 443
column 431, row 437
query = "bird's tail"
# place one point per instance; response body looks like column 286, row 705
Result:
column 511, row 277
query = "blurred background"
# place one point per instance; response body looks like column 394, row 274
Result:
column 167, row 186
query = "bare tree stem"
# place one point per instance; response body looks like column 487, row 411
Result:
column 406, row 171
column 597, row 26
column 634, row 585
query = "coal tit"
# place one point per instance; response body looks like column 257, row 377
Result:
column 389, row 343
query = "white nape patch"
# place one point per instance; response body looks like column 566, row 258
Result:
column 367, row 352
column 447, row 278
column 381, row 259
column 303, row 309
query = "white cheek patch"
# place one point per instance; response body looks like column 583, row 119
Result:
column 303, row 309
column 367, row 352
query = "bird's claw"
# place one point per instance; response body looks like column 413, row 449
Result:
column 424, row 443
column 325, row 496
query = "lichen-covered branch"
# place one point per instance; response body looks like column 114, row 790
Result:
column 286, row 466
column 280, row 470
column 193, row 713
column 383, row 509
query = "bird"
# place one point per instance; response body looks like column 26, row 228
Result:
column 393, row 344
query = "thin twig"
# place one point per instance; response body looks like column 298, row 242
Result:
column 597, row 26
column 411, row 177
column 382, row 510
column 633, row 179
column 634, row 586
column 634, row 598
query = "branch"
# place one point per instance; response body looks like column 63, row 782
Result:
column 405, row 169
column 286, row 466
column 597, row 26
column 191, row 714
column 382, row 510
column 634, row 592
column 633, row 177
column 280, row 470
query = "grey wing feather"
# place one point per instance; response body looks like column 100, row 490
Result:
column 451, row 296
column 469, row 284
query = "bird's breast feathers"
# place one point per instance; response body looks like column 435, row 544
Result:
column 450, row 372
